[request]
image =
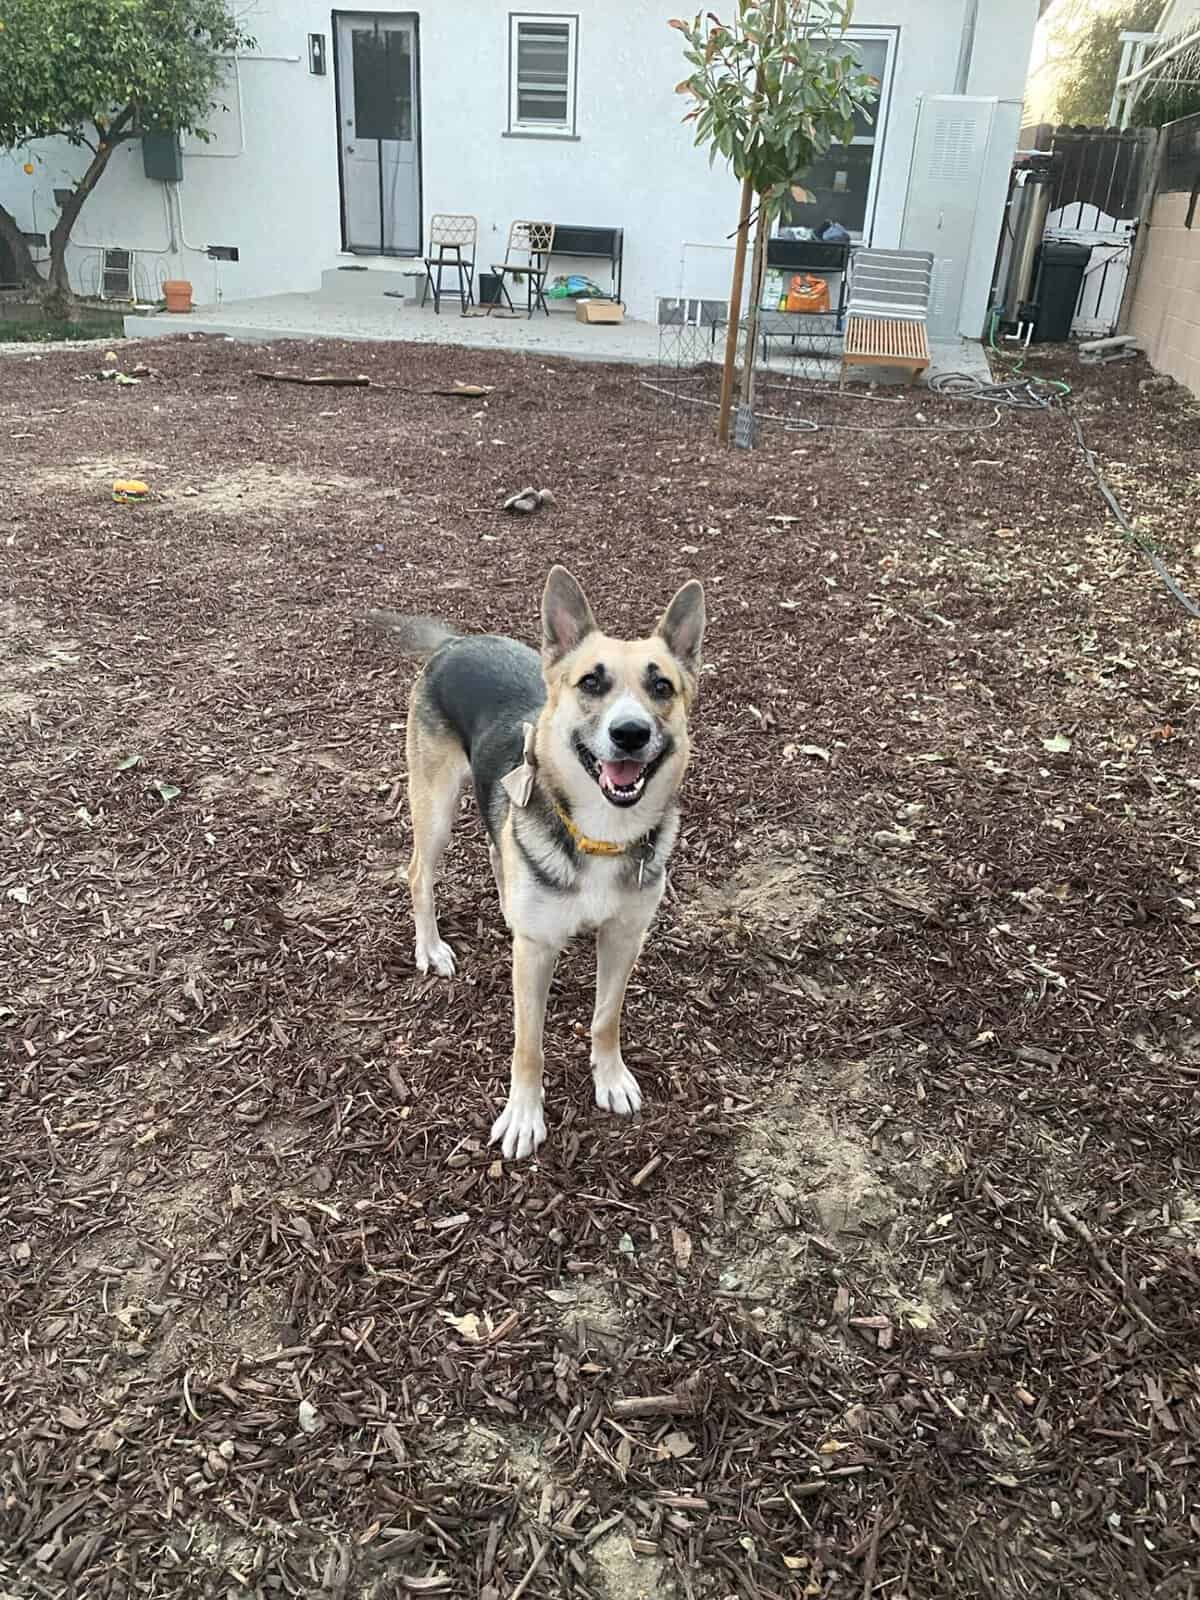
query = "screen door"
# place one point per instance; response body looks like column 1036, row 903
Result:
column 377, row 103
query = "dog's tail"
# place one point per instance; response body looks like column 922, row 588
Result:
column 416, row 636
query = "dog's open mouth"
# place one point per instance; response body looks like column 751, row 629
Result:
column 622, row 783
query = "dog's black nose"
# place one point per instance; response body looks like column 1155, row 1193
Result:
column 630, row 736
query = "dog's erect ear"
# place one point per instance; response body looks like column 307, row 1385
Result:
column 566, row 616
column 682, row 625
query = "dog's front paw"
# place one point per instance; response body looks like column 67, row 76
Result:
column 520, row 1127
column 436, row 956
column 617, row 1090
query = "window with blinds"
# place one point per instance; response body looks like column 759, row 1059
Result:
column 542, row 66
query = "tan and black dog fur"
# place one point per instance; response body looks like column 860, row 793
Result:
column 576, row 760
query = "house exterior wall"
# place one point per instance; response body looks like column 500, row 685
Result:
column 1165, row 313
column 269, row 184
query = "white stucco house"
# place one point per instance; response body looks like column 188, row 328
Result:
column 342, row 132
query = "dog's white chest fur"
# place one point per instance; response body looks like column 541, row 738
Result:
column 600, row 894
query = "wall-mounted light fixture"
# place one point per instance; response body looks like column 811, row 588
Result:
column 316, row 54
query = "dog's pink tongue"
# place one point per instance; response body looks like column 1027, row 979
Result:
column 621, row 773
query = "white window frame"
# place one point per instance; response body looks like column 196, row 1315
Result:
column 880, row 112
column 542, row 130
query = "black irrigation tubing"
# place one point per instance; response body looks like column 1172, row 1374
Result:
column 1044, row 394
column 1138, row 540
column 1017, row 394
column 808, row 425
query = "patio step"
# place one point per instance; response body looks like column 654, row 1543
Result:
column 367, row 277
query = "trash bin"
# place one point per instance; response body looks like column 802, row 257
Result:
column 1060, row 280
column 488, row 289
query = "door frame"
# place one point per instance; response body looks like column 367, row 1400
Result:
column 413, row 18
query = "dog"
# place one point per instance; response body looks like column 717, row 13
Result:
column 577, row 760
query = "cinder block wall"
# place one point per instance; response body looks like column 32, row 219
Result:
column 1165, row 314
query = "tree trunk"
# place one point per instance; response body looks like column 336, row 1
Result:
column 59, row 298
column 758, row 273
column 735, row 313
column 26, row 267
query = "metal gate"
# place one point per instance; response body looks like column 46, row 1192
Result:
column 1101, row 183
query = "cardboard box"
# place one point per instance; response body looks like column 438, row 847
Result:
column 599, row 311
column 774, row 290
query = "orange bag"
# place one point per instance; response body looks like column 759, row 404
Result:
column 807, row 293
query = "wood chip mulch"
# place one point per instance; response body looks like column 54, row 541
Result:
column 894, row 1288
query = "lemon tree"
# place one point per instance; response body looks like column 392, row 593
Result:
column 98, row 73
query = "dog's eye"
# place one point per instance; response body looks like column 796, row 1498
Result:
column 662, row 688
column 591, row 683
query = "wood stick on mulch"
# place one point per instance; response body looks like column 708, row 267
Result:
column 1080, row 1227
column 872, row 1558
column 647, row 1171
column 359, row 380
column 319, row 380
column 531, row 1570
column 594, row 1535
column 653, row 1405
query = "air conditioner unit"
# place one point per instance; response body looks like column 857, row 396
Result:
column 962, row 152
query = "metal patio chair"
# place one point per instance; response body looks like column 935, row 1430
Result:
column 452, row 243
column 527, row 260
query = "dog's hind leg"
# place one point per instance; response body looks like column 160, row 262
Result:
column 618, row 945
column 437, row 766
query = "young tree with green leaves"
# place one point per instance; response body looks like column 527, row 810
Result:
column 99, row 73
column 771, row 90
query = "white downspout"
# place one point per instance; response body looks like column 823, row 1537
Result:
column 966, row 48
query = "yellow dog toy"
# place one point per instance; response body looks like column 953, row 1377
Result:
column 127, row 491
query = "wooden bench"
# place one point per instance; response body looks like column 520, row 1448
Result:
column 884, row 342
column 601, row 244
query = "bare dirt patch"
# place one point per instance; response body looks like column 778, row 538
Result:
column 90, row 477
column 251, row 490
column 806, row 1187
column 590, row 1314
column 624, row 1575
column 16, row 704
column 780, row 892
column 260, row 491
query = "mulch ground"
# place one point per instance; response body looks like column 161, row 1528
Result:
column 894, row 1288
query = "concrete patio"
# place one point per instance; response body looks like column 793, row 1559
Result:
column 357, row 305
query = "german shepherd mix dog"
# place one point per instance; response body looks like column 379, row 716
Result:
column 576, row 761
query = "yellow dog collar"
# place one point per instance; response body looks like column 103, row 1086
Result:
column 589, row 847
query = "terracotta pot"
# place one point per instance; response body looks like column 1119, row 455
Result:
column 178, row 294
